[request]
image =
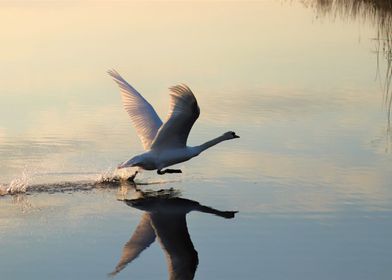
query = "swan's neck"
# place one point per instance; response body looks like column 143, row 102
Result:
column 209, row 144
column 210, row 210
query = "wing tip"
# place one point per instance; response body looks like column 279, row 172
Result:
column 181, row 89
column 113, row 73
column 121, row 82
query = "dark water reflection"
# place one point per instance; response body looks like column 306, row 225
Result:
column 165, row 219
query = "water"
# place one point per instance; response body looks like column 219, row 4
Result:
column 303, row 84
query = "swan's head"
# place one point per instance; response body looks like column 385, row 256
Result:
column 230, row 135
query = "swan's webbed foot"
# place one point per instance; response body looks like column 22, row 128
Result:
column 161, row 172
column 131, row 178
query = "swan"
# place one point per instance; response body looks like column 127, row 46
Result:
column 165, row 219
column 164, row 143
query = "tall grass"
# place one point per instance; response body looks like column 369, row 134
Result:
column 379, row 14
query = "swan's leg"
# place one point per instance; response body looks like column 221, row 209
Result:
column 131, row 178
column 172, row 171
column 161, row 172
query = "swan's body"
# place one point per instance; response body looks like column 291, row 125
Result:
column 155, row 159
column 164, row 143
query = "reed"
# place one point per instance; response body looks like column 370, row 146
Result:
column 379, row 14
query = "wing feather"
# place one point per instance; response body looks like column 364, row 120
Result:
column 142, row 114
column 142, row 238
column 183, row 112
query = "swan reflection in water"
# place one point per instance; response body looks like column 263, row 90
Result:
column 165, row 219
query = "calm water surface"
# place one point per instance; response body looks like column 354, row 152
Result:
column 301, row 83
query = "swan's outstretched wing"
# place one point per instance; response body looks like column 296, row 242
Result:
column 172, row 232
column 183, row 113
column 143, row 237
column 142, row 114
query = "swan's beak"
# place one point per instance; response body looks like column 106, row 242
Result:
column 234, row 135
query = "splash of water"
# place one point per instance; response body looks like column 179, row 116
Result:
column 108, row 179
column 109, row 175
column 18, row 185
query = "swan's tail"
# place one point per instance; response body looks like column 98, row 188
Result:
column 135, row 161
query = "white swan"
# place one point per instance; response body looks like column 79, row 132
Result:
column 164, row 143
